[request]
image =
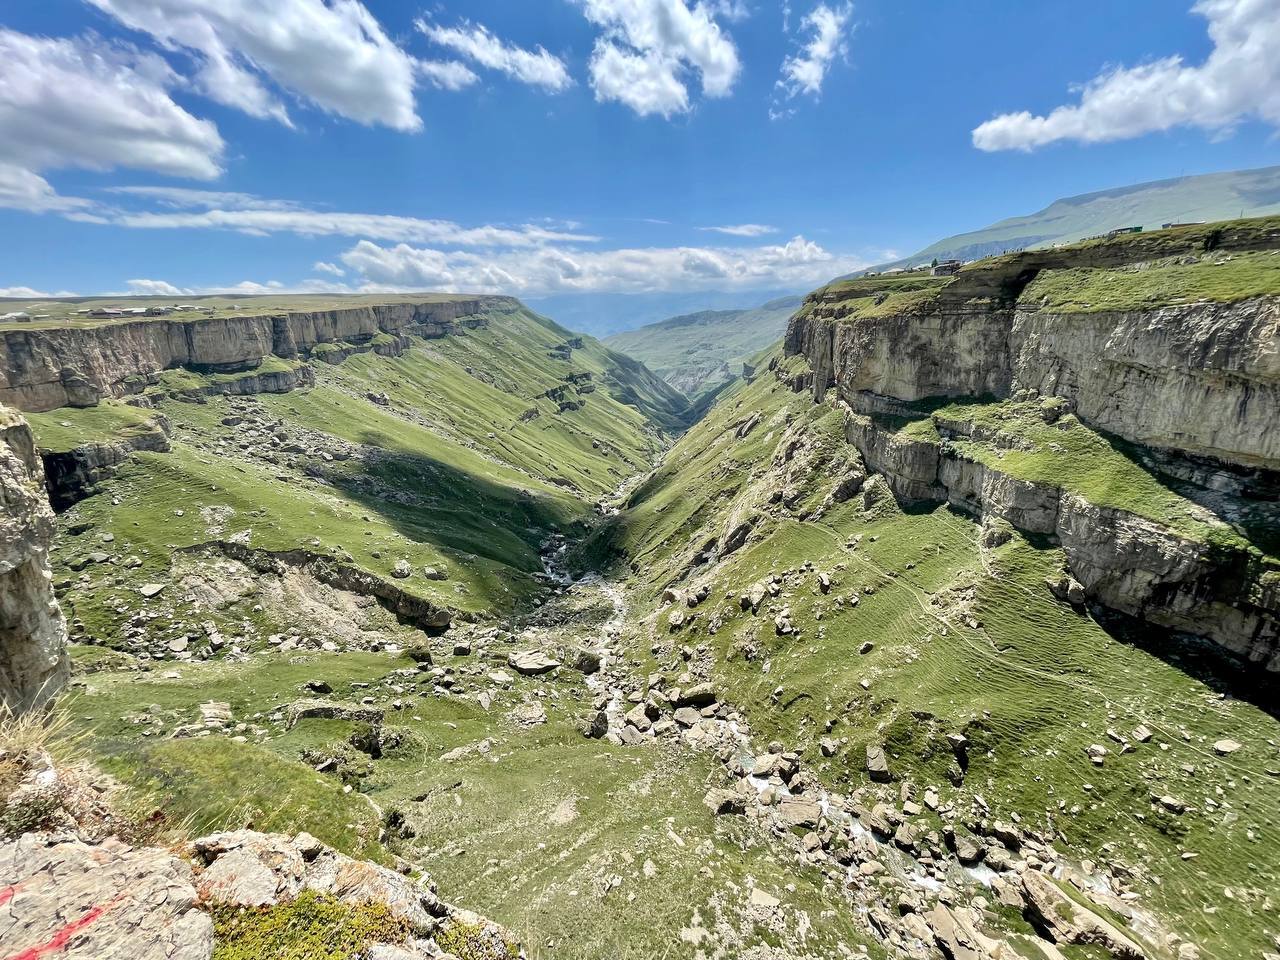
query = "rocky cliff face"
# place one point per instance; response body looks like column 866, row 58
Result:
column 1191, row 382
column 44, row 369
column 1123, row 561
column 1198, row 378
column 33, row 634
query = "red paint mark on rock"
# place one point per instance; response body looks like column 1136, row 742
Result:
column 63, row 936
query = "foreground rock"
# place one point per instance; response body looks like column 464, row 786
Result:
column 107, row 901
column 33, row 634
column 110, row 901
column 248, row 869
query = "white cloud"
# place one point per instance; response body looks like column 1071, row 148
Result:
column 447, row 74
column 804, row 72
column 648, row 49
column 332, row 54
column 474, row 41
column 88, row 103
column 156, row 288
column 211, row 210
column 1239, row 79
column 20, row 189
column 183, row 198
column 547, row 269
column 743, row 230
column 322, row 266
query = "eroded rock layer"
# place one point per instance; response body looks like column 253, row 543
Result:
column 33, row 634
column 1200, row 377
column 43, row 369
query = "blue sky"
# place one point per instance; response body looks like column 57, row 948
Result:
column 556, row 146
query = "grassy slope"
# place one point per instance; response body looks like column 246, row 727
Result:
column 1032, row 685
column 60, row 431
column 689, row 351
column 532, row 832
column 1218, row 279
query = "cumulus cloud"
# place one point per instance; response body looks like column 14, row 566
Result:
column 552, row 269
column 648, row 49
column 89, row 103
column 743, row 230
column 20, row 189
column 805, row 71
column 1240, row 79
column 474, row 42
column 332, row 54
column 322, row 266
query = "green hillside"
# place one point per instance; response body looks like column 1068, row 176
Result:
column 699, row 352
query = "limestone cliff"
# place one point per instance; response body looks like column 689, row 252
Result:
column 46, row 368
column 1195, row 376
column 33, row 634
column 1124, row 561
column 1167, row 344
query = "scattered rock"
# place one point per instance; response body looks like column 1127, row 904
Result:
column 531, row 663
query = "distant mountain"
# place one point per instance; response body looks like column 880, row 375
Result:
column 1213, row 196
column 602, row 314
column 699, row 352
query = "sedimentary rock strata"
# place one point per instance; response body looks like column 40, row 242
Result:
column 43, row 369
column 33, row 634
column 1198, row 378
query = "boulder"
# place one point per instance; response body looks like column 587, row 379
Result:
column 725, row 802
column 531, row 663
column 796, row 812
column 1067, row 920
column 878, row 764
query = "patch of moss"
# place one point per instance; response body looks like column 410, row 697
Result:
column 311, row 927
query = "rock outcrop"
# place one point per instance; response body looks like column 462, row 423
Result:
column 105, row 901
column 344, row 576
column 33, row 633
column 1124, row 561
column 46, row 368
column 72, row 475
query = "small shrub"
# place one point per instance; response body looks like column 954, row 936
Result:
column 476, row 941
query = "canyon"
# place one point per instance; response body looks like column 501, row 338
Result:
column 948, row 630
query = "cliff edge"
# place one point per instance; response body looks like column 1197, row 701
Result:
column 33, row 634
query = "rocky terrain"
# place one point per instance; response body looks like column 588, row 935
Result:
column 948, row 632
column 33, row 634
